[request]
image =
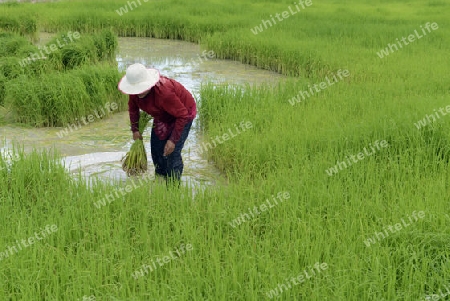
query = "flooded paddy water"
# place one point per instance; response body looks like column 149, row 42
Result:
column 96, row 149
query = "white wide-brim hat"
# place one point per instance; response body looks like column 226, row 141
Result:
column 138, row 79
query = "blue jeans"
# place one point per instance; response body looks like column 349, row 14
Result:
column 170, row 167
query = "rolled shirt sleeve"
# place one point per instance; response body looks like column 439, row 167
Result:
column 133, row 110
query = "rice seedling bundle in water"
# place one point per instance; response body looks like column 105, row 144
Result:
column 135, row 161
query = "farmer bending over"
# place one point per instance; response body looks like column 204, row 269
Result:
column 173, row 109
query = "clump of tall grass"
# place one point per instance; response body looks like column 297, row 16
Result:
column 31, row 175
column 16, row 57
column 11, row 47
column 88, row 49
column 67, row 84
column 75, row 55
column 56, row 99
column 106, row 43
column 12, row 44
column 134, row 162
column 9, row 67
column 22, row 24
column 14, row 50
column 100, row 82
column 10, row 24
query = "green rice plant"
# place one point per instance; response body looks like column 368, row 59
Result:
column 109, row 44
column 9, row 24
column 95, row 83
column 25, row 24
column 88, row 49
column 19, row 56
column 135, row 160
column 59, row 106
column 106, row 44
column 27, row 51
column 3, row 81
column 9, row 67
column 45, row 105
column 58, row 99
column 74, row 54
column 37, row 67
column 100, row 45
column 100, row 82
column 111, row 77
column 24, row 104
column 12, row 44
column 28, row 27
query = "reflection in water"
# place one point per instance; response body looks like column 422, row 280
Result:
column 96, row 149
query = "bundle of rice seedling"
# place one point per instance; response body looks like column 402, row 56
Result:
column 135, row 161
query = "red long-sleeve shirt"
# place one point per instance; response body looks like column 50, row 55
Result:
column 170, row 104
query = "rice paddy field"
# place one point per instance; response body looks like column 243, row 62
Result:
column 337, row 177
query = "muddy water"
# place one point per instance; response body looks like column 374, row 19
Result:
column 96, row 149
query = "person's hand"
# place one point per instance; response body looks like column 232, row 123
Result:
column 137, row 135
column 168, row 148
